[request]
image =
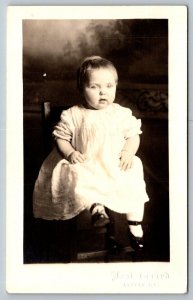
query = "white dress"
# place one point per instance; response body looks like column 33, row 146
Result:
column 62, row 190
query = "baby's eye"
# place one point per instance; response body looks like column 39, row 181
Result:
column 93, row 86
column 109, row 85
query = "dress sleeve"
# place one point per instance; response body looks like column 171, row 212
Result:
column 65, row 127
column 132, row 125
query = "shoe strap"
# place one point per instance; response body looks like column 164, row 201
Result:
column 93, row 206
column 135, row 223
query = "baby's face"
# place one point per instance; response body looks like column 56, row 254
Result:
column 100, row 90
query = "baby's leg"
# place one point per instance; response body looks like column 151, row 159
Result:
column 135, row 230
column 136, row 216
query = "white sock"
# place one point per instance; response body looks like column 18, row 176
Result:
column 136, row 230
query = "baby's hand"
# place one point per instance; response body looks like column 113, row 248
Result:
column 76, row 157
column 125, row 160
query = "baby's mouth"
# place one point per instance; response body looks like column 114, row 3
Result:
column 102, row 100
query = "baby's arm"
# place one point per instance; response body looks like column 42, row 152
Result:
column 69, row 152
column 129, row 149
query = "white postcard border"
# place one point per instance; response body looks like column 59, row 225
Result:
column 111, row 278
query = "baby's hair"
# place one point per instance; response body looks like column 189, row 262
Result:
column 93, row 63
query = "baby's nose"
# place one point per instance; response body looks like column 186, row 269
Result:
column 102, row 91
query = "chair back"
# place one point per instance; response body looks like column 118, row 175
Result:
column 50, row 117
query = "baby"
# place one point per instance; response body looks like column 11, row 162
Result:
column 94, row 165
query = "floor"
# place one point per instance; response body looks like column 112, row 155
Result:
column 51, row 242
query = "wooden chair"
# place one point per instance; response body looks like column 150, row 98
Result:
column 86, row 243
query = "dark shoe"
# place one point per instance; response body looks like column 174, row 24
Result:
column 137, row 243
column 99, row 219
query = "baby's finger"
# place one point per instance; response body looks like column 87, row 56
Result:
column 125, row 165
column 83, row 156
column 121, row 165
column 79, row 159
column 128, row 166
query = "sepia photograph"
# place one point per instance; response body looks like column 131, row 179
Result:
column 102, row 191
column 96, row 104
